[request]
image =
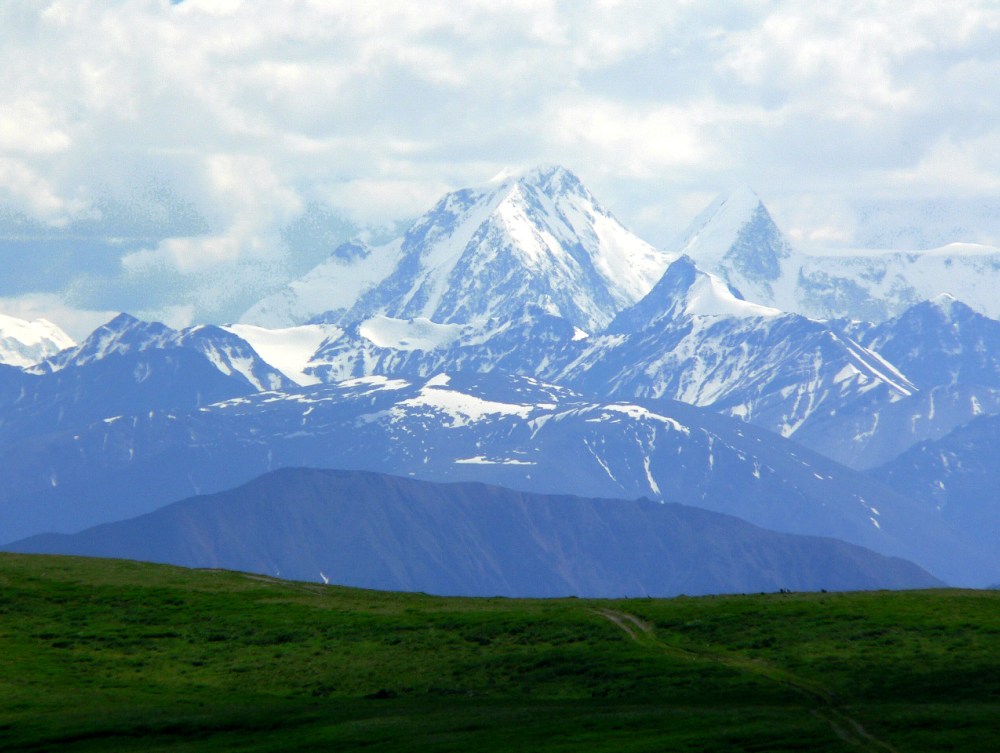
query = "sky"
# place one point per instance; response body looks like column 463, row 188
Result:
column 180, row 160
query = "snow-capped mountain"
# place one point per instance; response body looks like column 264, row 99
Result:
column 24, row 343
column 736, row 239
column 534, row 238
column 128, row 367
column 950, row 352
column 514, row 432
column 565, row 340
column 125, row 335
column 691, row 339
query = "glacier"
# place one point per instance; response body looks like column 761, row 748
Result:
column 25, row 343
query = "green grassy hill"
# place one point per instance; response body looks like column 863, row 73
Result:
column 99, row 655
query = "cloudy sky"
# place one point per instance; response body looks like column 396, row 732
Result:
column 179, row 160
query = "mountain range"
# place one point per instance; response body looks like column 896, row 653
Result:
column 692, row 339
column 511, row 431
column 518, row 335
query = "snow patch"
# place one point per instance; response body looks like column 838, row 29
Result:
column 463, row 409
column 483, row 460
column 409, row 334
column 643, row 414
column 710, row 296
column 288, row 349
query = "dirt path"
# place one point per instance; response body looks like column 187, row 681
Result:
column 844, row 726
column 627, row 622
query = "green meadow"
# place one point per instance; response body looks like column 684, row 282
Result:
column 105, row 655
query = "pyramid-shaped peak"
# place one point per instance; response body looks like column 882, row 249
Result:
column 121, row 334
column 534, row 235
column 736, row 239
column 727, row 215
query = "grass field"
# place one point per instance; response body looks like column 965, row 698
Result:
column 99, row 655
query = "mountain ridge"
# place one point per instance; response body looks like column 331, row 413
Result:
column 374, row 531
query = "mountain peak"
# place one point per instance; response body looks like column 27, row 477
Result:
column 536, row 184
column 480, row 253
column 741, row 200
column 121, row 334
column 744, row 191
column 943, row 307
column 686, row 291
column 120, row 323
column 126, row 335
column 542, row 174
column 943, row 299
column 736, row 239
column 941, row 341
column 713, row 231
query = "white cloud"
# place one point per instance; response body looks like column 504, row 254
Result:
column 25, row 190
column 371, row 201
column 252, row 111
column 641, row 141
column 75, row 322
column 971, row 168
column 249, row 201
column 27, row 126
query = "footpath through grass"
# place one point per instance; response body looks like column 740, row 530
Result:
column 99, row 655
